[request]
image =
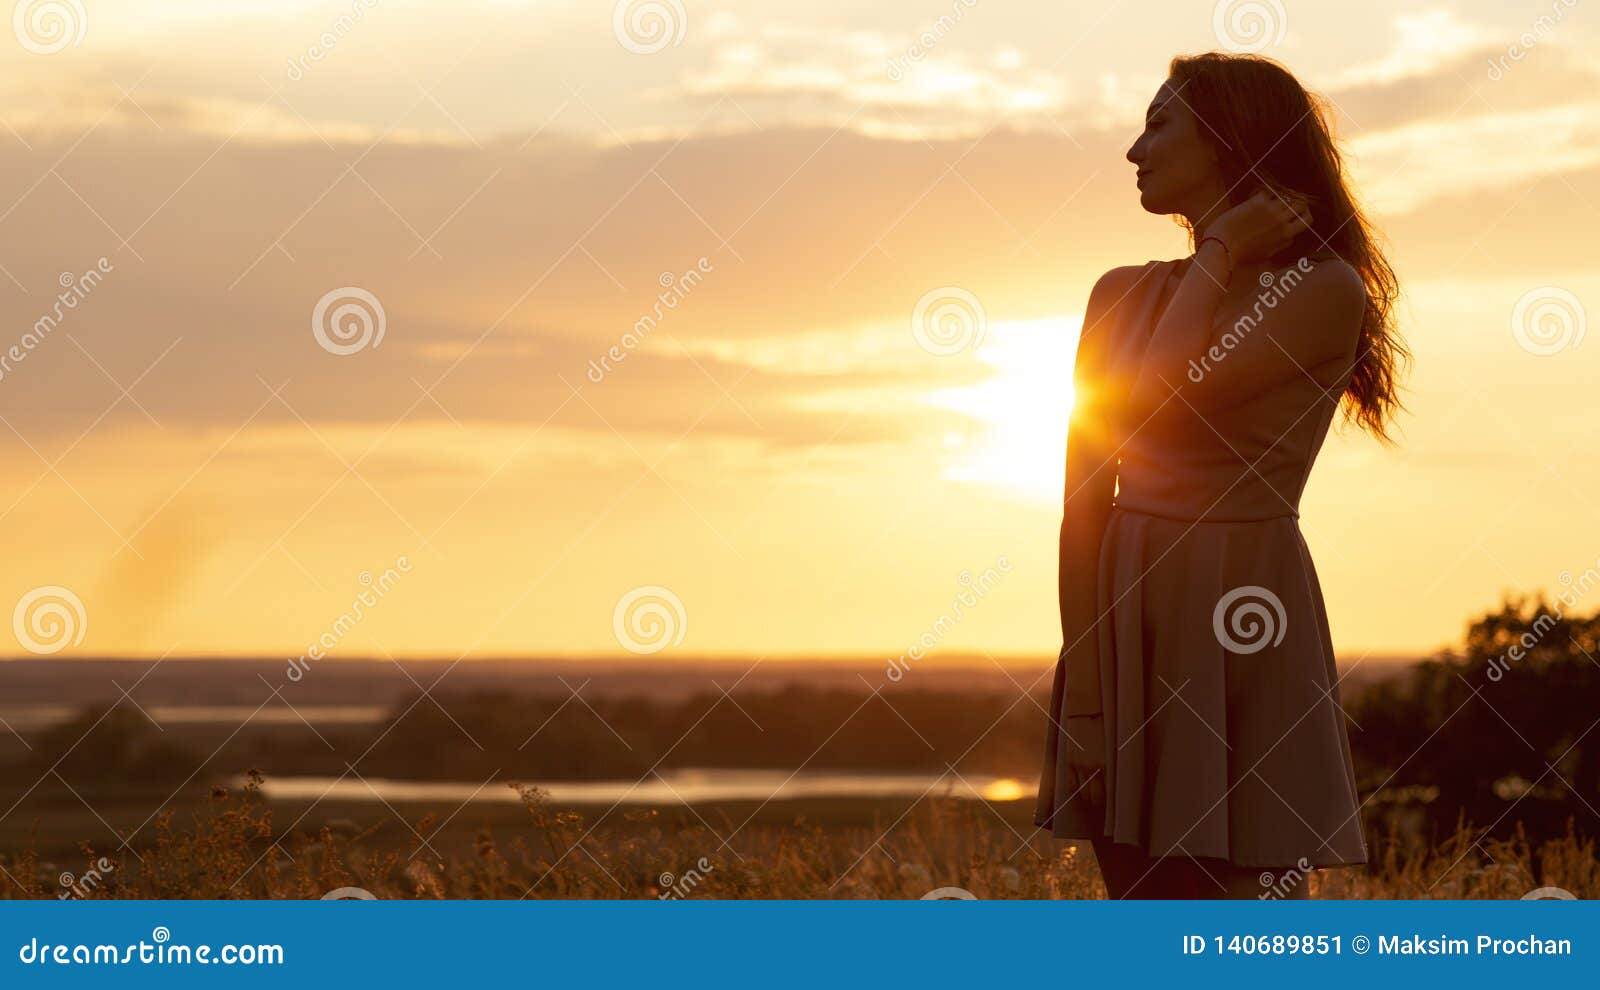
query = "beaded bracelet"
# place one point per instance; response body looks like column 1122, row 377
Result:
column 1225, row 252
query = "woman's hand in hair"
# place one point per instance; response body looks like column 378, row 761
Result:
column 1262, row 225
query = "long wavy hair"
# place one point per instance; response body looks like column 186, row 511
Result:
column 1269, row 132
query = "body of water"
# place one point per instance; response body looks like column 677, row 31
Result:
column 680, row 786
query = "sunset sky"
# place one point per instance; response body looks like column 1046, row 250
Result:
column 517, row 184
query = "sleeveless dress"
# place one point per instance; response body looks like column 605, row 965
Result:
column 1192, row 620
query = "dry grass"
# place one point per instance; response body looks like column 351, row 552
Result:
column 231, row 850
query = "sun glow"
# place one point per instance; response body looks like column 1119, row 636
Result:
column 1023, row 408
column 1005, row 789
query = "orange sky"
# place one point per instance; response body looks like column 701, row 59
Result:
column 517, row 186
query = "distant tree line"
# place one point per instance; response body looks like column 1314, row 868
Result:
column 1502, row 730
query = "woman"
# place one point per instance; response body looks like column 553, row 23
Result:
column 1195, row 732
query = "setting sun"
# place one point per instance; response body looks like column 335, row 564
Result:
column 1021, row 408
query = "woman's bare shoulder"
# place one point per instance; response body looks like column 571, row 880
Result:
column 1341, row 275
column 1334, row 284
column 1100, row 314
column 1328, row 269
column 1115, row 285
column 1119, row 279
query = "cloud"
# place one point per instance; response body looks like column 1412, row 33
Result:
column 505, row 268
column 1426, row 41
column 512, row 185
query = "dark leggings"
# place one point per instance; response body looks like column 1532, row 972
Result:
column 1130, row 873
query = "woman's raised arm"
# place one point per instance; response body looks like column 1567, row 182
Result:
column 1309, row 315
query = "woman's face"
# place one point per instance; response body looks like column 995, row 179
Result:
column 1177, row 168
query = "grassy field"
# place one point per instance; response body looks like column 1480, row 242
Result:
column 237, row 845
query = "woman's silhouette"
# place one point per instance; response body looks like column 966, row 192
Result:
column 1195, row 732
